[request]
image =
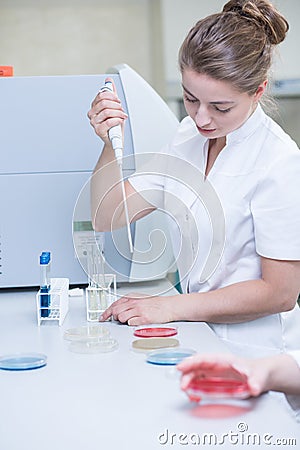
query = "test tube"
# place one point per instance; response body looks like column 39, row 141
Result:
column 45, row 283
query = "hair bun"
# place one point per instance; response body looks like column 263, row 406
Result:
column 264, row 14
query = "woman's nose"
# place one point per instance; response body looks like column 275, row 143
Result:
column 202, row 117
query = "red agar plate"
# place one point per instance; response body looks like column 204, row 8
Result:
column 217, row 387
column 149, row 332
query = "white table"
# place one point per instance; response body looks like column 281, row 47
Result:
column 114, row 400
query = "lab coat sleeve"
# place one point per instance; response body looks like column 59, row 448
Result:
column 149, row 178
column 275, row 208
column 296, row 355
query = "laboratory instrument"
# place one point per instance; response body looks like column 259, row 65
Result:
column 116, row 138
column 50, row 160
column 102, row 287
column 57, row 297
column 150, row 344
column 86, row 333
column 23, row 361
column 103, row 345
column 45, row 258
column 217, row 387
column 114, row 133
column 148, row 332
column 90, row 339
column 169, row 357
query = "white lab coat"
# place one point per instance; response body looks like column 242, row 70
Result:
column 247, row 207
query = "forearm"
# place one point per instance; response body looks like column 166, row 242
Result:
column 239, row 302
column 106, row 193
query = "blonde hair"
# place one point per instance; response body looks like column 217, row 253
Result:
column 235, row 45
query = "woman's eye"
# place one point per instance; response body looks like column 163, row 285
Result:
column 190, row 100
column 223, row 110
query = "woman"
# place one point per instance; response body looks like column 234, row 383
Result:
column 249, row 297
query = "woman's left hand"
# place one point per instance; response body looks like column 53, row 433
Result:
column 140, row 309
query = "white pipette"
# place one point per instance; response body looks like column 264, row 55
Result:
column 115, row 136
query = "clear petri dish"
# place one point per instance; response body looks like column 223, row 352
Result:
column 23, row 361
column 155, row 331
column 91, row 347
column 86, row 333
column 150, row 344
column 169, row 357
column 217, row 387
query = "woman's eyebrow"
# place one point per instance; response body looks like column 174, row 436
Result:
column 187, row 91
column 223, row 102
column 219, row 102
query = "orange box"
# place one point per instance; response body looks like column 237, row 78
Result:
column 6, row 71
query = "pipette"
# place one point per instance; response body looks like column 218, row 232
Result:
column 115, row 136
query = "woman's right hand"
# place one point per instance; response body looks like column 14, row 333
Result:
column 106, row 112
column 225, row 365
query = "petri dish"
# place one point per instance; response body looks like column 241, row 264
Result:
column 169, row 357
column 217, row 387
column 150, row 344
column 104, row 345
column 23, row 361
column 147, row 332
column 86, row 333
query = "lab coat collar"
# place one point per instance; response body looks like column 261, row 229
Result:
column 188, row 130
column 248, row 127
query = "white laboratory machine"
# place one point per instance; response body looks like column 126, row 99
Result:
column 48, row 152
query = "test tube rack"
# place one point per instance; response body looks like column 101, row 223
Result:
column 100, row 295
column 58, row 304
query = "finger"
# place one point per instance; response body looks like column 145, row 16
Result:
column 105, row 110
column 137, row 320
column 109, row 311
column 124, row 312
column 119, row 310
column 186, row 380
column 105, row 315
column 255, row 384
column 197, row 362
column 110, row 80
column 103, row 97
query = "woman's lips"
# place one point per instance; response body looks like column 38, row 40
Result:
column 206, row 131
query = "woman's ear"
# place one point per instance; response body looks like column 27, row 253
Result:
column 260, row 90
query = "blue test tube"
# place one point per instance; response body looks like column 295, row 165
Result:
column 45, row 283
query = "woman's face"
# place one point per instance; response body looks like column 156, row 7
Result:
column 215, row 106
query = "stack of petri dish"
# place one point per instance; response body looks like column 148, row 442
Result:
column 90, row 339
column 154, row 337
column 159, row 343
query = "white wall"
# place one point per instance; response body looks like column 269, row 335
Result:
column 62, row 37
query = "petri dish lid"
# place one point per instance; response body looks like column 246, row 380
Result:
column 23, row 361
column 147, row 332
column 86, row 333
column 217, row 387
column 150, row 344
column 169, row 357
column 91, row 347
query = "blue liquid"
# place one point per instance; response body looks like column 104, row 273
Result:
column 45, row 301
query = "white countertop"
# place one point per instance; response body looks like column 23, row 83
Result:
column 115, row 400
